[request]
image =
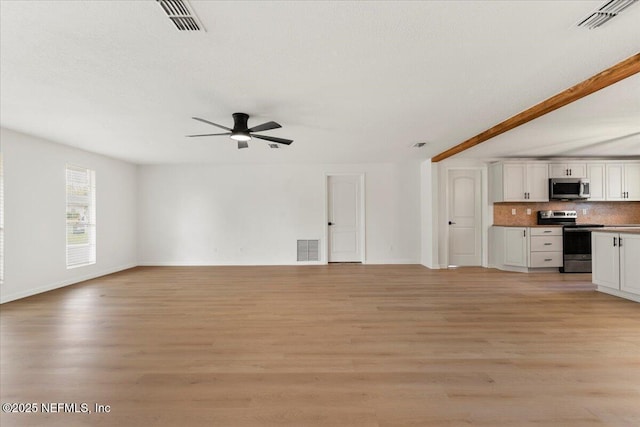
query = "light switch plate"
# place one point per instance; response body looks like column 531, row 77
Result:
column 513, row 211
column 528, row 211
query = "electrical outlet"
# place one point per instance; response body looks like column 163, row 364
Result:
column 513, row 211
column 528, row 211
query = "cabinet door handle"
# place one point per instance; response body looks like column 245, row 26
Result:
column 547, row 244
column 615, row 242
column 620, row 241
column 548, row 259
column 569, row 172
column 524, row 233
column 547, row 231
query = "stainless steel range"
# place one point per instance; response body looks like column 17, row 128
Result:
column 576, row 240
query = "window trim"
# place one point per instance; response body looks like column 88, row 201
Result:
column 91, row 222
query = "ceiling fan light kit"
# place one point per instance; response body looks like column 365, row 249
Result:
column 242, row 133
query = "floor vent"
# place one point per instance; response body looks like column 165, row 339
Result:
column 308, row 250
column 181, row 14
column 604, row 13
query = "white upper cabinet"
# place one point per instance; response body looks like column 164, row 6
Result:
column 528, row 181
column 519, row 182
column 596, row 175
column 632, row 181
column 514, row 181
column 623, row 181
column 567, row 170
column 537, row 182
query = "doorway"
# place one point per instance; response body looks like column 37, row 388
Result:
column 345, row 218
column 464, row 212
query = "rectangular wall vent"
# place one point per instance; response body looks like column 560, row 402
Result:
column 308, row 250
column 181, row 14
column 604, row 13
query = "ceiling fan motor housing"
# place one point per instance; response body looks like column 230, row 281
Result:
column 240, row 126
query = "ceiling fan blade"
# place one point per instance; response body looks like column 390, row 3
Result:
column 210, row 134
column 211, row 123
column 265, row 126
column 242, row 144
column 273, row 139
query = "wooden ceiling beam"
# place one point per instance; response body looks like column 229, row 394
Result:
column 614, row 74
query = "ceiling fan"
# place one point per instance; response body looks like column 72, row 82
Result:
column 242, row 133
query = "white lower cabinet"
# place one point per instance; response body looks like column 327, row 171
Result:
column 545, row 247
column 515, row 246
column 605, row 256
column 616, row 263
column 525, row 248
column 630, row 263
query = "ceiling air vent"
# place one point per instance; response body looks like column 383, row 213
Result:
column 181, row 14
column 609, row 10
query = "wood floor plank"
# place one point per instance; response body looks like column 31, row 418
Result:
column 339, row 345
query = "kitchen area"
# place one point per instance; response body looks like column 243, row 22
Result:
column 569, row 216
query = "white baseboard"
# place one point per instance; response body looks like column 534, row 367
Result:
column 619, row 293
column 208, row 264
column 392, row 261
column 60, row 284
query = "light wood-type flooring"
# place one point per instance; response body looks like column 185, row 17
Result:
column 338, row 345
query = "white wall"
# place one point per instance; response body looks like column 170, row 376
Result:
column 35, row 197
column 429, row 214
column 253, row 214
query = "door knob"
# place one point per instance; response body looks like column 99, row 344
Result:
column 451, row 222
column 330, row 223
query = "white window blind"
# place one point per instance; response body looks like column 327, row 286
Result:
column 1, row 221
column 81, row 216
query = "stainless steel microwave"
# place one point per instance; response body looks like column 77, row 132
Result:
column 569, row 188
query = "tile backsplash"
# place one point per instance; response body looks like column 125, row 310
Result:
column 607, row 213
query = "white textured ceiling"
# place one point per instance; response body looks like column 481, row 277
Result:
column 603, row 124
column 349, row 81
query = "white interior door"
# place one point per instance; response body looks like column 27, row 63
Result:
column 344, row 218
column 465, row 217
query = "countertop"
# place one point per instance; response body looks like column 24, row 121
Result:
column 616, row 229
column 528, row 226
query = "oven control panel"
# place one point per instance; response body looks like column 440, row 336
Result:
column 558, row 214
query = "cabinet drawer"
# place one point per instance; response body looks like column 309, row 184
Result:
column 546, row 243
column 546, row 259
column 544, row 231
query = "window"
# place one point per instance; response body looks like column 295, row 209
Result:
column 1, row 221
column 81, row 217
